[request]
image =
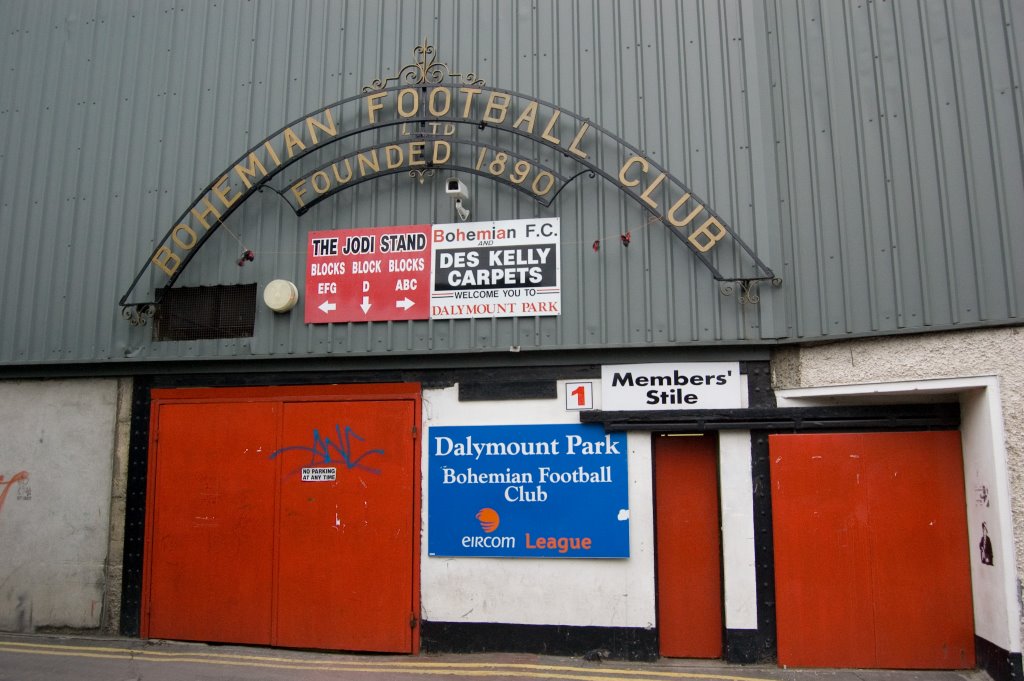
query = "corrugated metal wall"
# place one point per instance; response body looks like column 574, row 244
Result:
column 869, row 151
column 898, row 127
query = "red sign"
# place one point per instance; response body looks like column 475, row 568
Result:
column 368, row 275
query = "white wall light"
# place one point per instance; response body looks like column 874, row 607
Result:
column 280, row 295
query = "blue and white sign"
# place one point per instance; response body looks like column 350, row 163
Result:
column 532, row 491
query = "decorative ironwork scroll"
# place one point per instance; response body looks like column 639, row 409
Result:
column 748, row 288
column 139, row 313
column 425, row 70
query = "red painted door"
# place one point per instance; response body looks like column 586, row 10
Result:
column 211, row 541
column 242, row 549
column 871, row 551
column 345, row 571
column 688, row 546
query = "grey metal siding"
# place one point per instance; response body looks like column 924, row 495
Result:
column 870, row 152
column 899, row 127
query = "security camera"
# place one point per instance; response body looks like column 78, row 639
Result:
column 461, row 210
column 456, row 189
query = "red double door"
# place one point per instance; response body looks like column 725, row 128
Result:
column 870, row 541
column 871, row 551
column 284, row 516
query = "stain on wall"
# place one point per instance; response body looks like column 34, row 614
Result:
column 24, row 491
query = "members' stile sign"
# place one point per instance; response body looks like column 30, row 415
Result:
column 686, row 385
column 455, row 271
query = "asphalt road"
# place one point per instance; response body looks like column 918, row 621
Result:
column 55, row 658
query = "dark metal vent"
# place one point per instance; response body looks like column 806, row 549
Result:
column 191, row 313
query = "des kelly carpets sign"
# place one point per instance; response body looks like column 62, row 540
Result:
column 690, row 385
column 507, row 269
column 536, row 491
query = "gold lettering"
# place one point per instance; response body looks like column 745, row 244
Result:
column 192, row 237
column 469, row 92
column 547, row 184
column 574, row 147
column 337, row 176
column 497, row 166
column 166, row 260
column 322, row 174
column 291, row 140
column 329, row 127
column 370, row 162
column 298, row 192
column 254, row 163
column 434, row 111
column 393, row 156
column 551, row 126
column 441, row 144
column 222, row 193
column 202, row 215
column 633, row 160
column 372, row 107
column 273, row 154
column 416, row 153
column 679, row 204
column 493, row 105
column 412, row 111
column 712, row 236
column 529, row 115
column 646, row 196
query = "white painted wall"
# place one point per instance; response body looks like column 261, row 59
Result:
column 988, row 501
column 982, row 369
column 580, row 592
column 736, row 491
column 54, row 525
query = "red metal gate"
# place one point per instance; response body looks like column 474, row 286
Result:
column 211, row 523
column 688, row 546
column 285, row 516
column 871, row 551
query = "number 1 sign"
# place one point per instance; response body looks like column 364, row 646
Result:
column 579, row 396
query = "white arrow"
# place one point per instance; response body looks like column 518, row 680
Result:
column 405, row 303
column 327, row 306
column 366, row 304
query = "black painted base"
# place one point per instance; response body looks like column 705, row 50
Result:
column 1000, row 664
column 748, row 646
column 618, row 643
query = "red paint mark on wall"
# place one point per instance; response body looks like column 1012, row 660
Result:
column 5, row 485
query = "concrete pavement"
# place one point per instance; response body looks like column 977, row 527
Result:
column 55, row 658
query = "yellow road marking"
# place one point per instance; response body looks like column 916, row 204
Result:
column 390, row 666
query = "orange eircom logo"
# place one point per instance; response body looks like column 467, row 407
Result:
column 489, row 519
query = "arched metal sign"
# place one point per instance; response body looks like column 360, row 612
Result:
column 444, row 121
column 421, row 153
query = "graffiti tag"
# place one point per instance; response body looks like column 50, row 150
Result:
column 6, row 485
column 327, row 451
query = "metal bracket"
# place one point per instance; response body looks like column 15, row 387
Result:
column 748, row 288
column 138, row 313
